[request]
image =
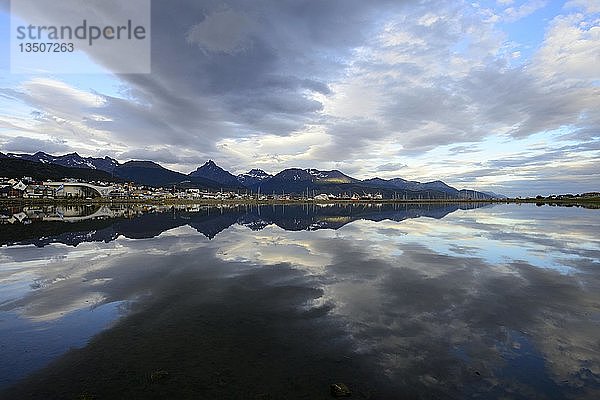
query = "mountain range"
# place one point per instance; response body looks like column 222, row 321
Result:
column 71, row 160
column 211, row 176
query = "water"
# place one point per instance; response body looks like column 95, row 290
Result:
column 405, row 301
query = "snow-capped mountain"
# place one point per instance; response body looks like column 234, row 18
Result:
column 72, row 160
column 312, row 175
column 297, row 180
column 333, row 176
column 253, row 177
column 308, row 181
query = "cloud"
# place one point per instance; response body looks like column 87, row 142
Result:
column 23, row 144
column 348, row 139
column 59, row 111
column 442, row 300
column 548, row 170
column 215, row 90
column 328, row 84
column 391, row 167
column 464, row 149
column 569, row 51
column 590, row 6
column 222, row 31
column 529, row 7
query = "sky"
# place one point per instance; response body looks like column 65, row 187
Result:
column 499, row 95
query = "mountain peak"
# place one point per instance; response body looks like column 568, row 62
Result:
column 257, row 171
column 210, row 165
column 212, row 171
column 142, row 164
column 71, row 160
column 290, row 180
column 253, row 177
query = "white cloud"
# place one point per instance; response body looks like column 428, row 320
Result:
column 526, row 9
column 61, row 115
column 590, row 6
column 570, row 49
column 56, row 96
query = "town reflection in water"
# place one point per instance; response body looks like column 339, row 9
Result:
column 396, row 301
column 146, row 221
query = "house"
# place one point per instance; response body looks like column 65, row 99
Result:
column 12, row 191
column 39, row 192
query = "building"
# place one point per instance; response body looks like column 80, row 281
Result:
column 12, row 189
column 78, row 190
column 39, row 192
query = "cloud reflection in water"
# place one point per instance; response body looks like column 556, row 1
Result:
column 495, row 301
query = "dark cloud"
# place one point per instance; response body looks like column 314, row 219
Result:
column 434, row 74
column 30, row 145
column 195, row 97
column 349, row 139
column 292, row 47
column 162, row 156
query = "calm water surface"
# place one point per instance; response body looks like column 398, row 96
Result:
column 411, row 301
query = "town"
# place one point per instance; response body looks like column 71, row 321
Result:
column 69, row 189
column 73, row 189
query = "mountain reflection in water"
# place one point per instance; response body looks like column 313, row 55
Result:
column 406, row 301
column 43, row 225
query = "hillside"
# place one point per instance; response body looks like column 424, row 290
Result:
column 211, row 176
column 71, row 160
column 15, row 168
column 152, row 174
column 213, row 172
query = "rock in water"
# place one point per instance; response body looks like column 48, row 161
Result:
column 339, row 390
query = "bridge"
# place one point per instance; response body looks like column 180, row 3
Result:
column 79, row 189
column 68, row 216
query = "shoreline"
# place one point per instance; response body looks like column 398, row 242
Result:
column 594, row 201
